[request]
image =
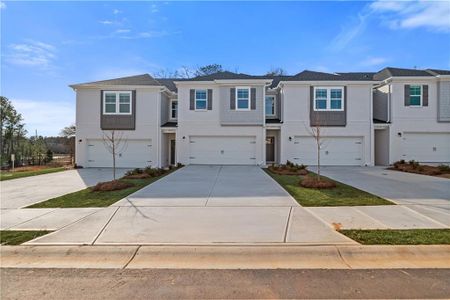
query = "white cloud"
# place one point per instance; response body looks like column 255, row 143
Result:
column 31, row 53
column 434, row 15
column 348, row 34
column 122, row 31
column 2, row 5
column 106, row 22
column 51, row 116
column 116, row 11
column 154, row 8
column 373, row 61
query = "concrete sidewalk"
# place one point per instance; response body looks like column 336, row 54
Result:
column 226, row 257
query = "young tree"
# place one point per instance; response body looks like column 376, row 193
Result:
column 115, row 143
column 315, row 130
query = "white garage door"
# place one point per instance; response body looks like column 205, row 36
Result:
column 346, row 151
column 223, row 150
column 426, row 147
column 135, row 154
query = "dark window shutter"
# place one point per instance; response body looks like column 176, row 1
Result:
column 210, row 99
column 407, row 100
column 278, row 105
column 425, row 95
column 232, row 98
column 192, row 99
column 253, row 98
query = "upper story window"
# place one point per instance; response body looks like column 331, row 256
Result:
column 201, row 99
column 117, row 102
column 270, row 106
column 415, row 95
column 328, row 98
column 242, row 98
column 174, row 109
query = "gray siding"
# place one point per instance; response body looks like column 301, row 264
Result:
column 118, row 122
column 229, row 116
column 327, row 118
column 443, row 94
column 380, row 105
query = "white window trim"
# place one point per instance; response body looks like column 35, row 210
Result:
column 195, row 100
column 248, row 100
column 170, row 109
column 117, row 102
column 274, row 106
column 421, row 96
column 329, row 88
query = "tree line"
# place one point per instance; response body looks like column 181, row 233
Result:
column 33, row 150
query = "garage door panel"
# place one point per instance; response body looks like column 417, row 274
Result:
column 426, row 147
column 333, row 151
column 222, row 150
column 133, row 154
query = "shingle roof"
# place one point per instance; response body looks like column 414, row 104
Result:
column 168, row 83
column 143, row 79
column 357, row 75
column 224, row 75
column 397, row 72
column 438, row 72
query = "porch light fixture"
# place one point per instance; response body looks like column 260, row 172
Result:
column 399, row 134
column 80, row 140
column 184, row 137
column 290, row 138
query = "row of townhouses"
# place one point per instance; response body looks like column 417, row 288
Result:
column 229, row 118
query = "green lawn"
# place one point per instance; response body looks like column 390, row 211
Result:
column 15, row 175
column 342, row 195
column 13, row 237
column 86, row 198
column 400, row 237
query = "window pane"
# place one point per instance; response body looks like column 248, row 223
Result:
column 414, row 100
column 174, row 109
column 110, row 108
column 200, row 104
column 270, row 107
column 242, row 93
column 124, row 107
column 200, row 94
column 321, row 93
column 242, row 104
column 124, row 98
column 336, row 104
column 110, row 98
column 415, row 90
column 321, row 104
column 336, row 93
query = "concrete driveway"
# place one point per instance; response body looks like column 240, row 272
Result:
column 202, row 205
column 17, row 193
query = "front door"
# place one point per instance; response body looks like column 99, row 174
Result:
column 172, row 152
column 270, row 149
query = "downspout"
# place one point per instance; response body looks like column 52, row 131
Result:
column 372, row 131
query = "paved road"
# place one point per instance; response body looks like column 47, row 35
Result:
column 17, row 193
column 213, row 284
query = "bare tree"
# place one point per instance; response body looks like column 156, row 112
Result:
column 115, row 143
column 69, row 133
column 315, row 130
column 276, row 71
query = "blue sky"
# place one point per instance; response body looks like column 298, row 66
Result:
column 47, row 45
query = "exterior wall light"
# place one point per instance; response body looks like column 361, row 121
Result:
column 290, row 138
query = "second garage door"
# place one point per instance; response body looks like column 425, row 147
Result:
column 222, row 150
column 334, row 151
column 135, row 154
column 426, row 147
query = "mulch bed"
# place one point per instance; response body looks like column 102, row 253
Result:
column 419, row 169
column 137, row 176
column 312, row 182
column 113, row 185
column 288, row 171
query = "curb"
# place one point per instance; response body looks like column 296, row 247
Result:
column 226, row 257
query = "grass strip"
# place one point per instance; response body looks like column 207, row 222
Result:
column 16, row 237
column 400, row 237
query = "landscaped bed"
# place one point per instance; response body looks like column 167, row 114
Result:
column 106, row 193
column 415, row 167
column 400, row 237
column 341, row 195
column 29, row 171
column 15, row 237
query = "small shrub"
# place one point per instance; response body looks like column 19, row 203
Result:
column 137, row 176
column 113, row 185
column 135, row 171
column 402, row 161
column 444, row 168
column 180, row 165
column 312, row 182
